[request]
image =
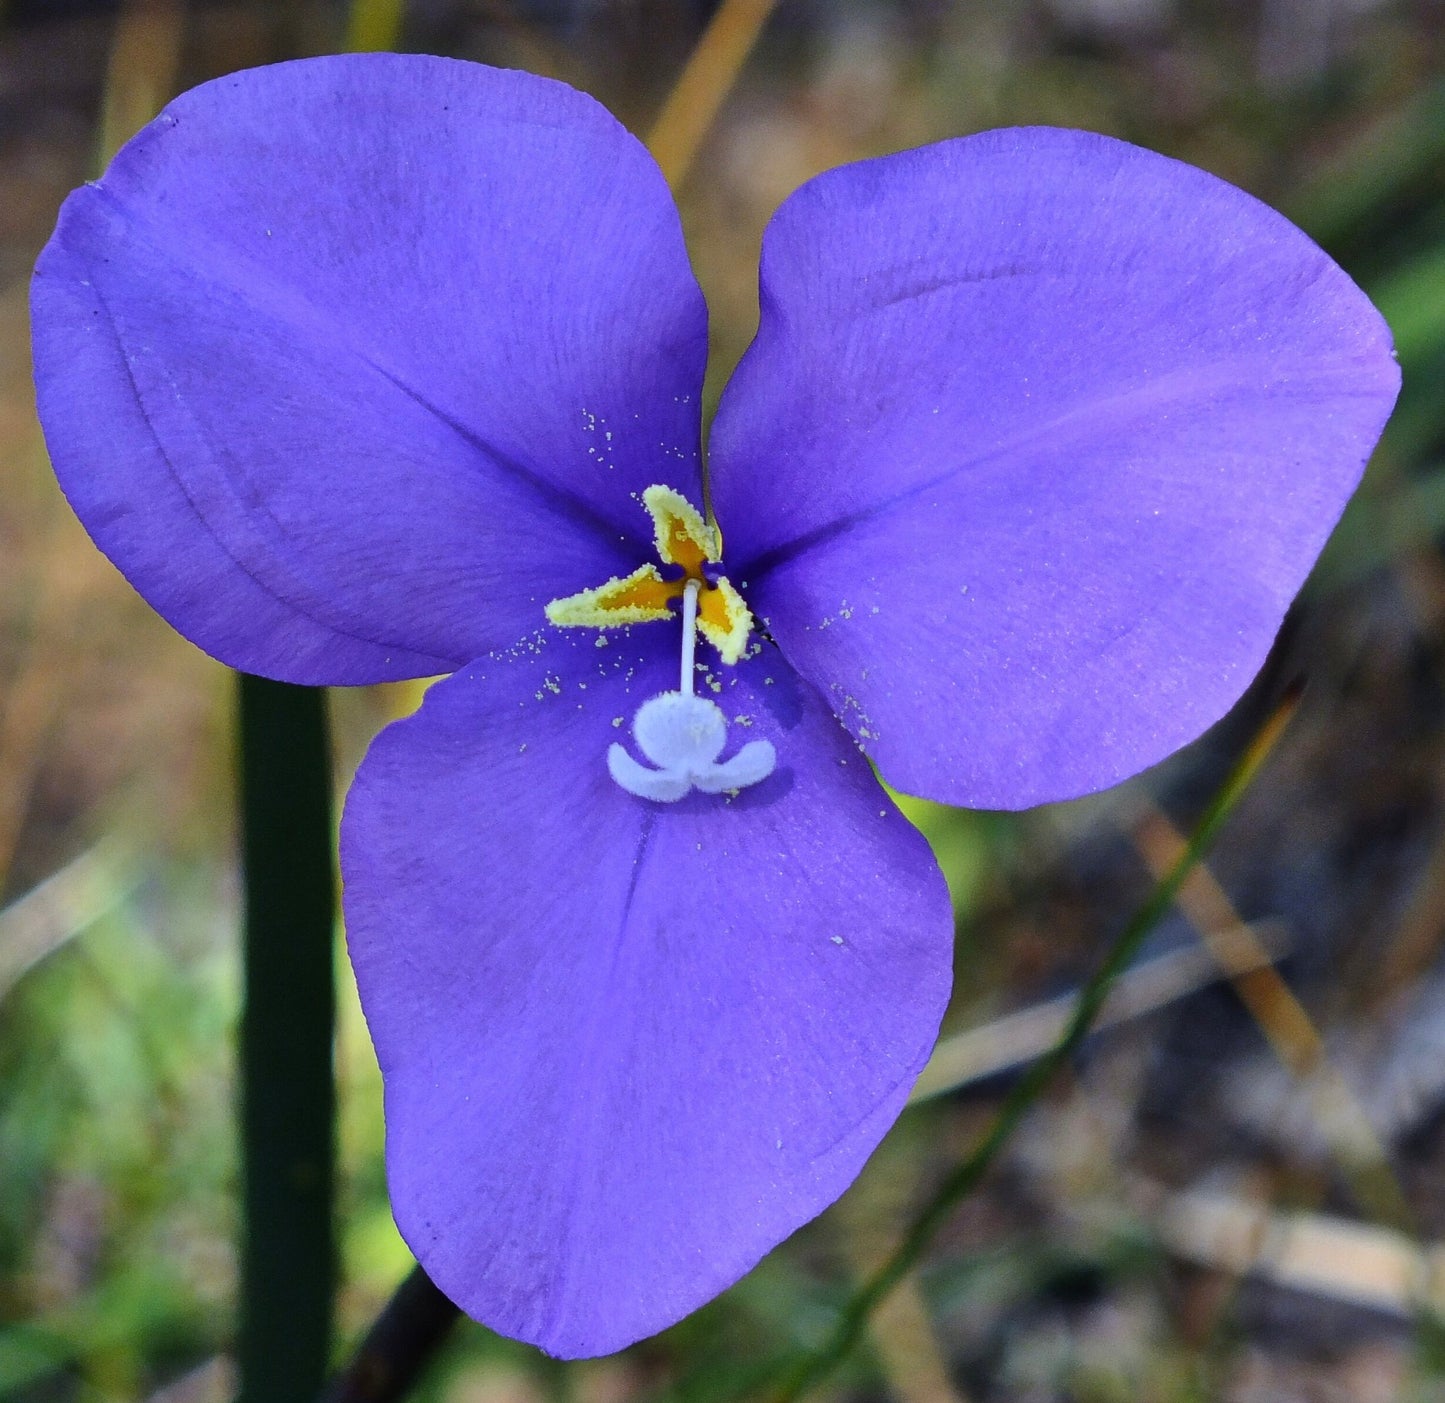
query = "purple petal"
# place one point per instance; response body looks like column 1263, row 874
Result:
column 628, row 1046
column 352, row 364
column 1049, row 431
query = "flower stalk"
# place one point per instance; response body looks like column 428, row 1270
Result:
column 288, row 1101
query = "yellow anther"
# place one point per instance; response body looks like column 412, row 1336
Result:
column 724, row 620
column 682, row 536
column 631, row 599
column 683, row 539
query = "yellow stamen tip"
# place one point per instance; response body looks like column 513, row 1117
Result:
column 637, row 598
column 725, row 621
column 682, row 536
column 683, row 539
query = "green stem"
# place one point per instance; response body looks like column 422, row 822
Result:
column 813, row 1367
column 288, row 1251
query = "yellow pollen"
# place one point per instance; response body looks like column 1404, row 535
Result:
column 631, row 599
column 724, row 620
column 684, row 539
column 682, row 536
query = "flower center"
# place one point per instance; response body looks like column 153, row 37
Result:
column 686, row 542
column 681, row 733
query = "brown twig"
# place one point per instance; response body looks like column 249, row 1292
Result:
column 1285, row 1023
column 700, row 91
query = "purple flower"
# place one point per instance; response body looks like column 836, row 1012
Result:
column 379, row 367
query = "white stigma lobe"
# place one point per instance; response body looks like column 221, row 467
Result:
column 683, row 735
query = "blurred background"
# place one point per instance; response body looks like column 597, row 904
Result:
column 1236, row 1192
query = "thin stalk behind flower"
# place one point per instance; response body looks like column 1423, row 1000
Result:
column 288, row 1097
column 702, row 87
column 853, row 1320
